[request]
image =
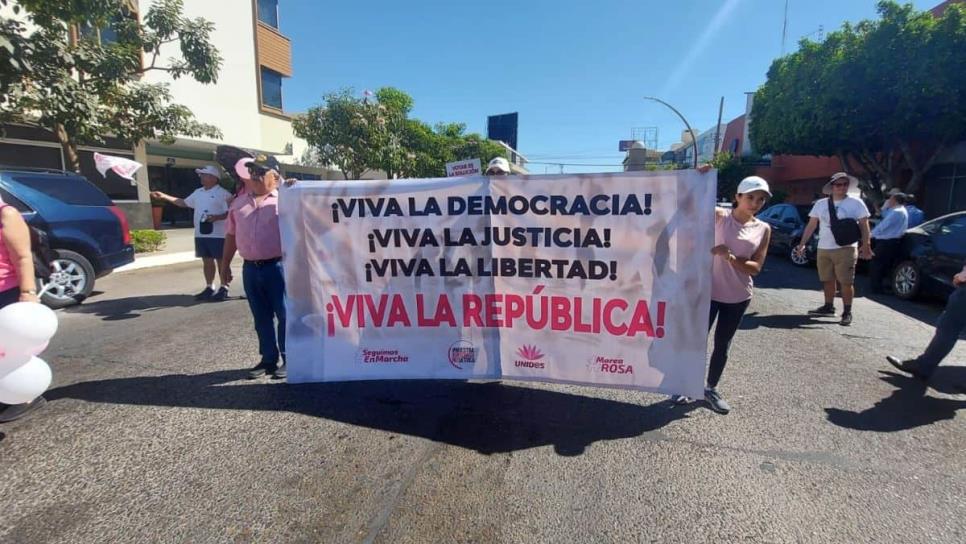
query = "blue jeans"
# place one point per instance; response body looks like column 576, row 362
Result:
column 265, row 289
column 948, row 328
column 729, row 318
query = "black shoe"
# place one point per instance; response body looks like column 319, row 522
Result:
column 909, row 367
column 261, row 369
column 221, row 295
column 206, row 294
column 846, row 319
column 280, row 372
column 17, row 411
column 825, row 309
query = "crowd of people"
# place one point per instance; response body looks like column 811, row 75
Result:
column 246, row 223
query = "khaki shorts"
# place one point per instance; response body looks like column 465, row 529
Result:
column 837, row 264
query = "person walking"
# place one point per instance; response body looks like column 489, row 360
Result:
column 210, row 204
column 253, row 232
column 887, row 236
column 741, row 245
column 836, row 262
column 17, row 284
column 949, row 326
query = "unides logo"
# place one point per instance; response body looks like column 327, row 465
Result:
column 530, row 357
column 462, row 353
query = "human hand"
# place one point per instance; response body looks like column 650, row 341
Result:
column 959, row 279
column 227, row 276
column 158, row 195
column 289, row 182
column 799, row 249
column 704, row 168
column 865, row 252
column 721, row 250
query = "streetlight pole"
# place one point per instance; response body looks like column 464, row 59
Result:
column 694, row 138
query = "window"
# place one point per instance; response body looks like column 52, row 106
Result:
column 271, row 89
column 790, row 215
column 68, row 189
column 268, row 12
column 30, row 156
column 15, row 202
column 951, row 237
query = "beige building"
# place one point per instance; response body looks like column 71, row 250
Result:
column 246, row 104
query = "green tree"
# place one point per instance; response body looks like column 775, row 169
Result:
column 359, row 134
column 731, row 170
column 63, row 76
column 346, row 131
column 885, row 94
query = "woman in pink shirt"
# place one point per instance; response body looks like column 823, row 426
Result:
column 17, row 284
column 16, row 261
column 741, row 244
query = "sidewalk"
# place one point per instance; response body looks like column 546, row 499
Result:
column 178, row 248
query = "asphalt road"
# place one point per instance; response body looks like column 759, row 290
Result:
column 152, row 434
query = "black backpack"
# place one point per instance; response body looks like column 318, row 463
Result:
column 845, row 231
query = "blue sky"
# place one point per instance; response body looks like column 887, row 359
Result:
column 575, row 70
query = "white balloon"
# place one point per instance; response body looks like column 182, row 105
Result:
column 12, row 361
column 26, row 383
column 25, row 327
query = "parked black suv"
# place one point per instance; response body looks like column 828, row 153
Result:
column 88, row 233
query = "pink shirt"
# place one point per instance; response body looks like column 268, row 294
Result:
column 255, row 226
column 728, row 284
column 9, row 278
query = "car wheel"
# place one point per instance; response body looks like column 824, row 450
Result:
column 906, row 280
column 799, row 259
column 71, row 280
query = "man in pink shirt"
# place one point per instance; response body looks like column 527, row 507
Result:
column 252, row 230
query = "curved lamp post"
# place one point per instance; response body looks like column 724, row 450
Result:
column 694, row 138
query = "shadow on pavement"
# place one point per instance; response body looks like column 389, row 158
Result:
column 485, row 417
column 908, row 406
column 780, row 273
column 132, row 307
column 754, row 320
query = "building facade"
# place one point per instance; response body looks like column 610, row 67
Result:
column 246, row 104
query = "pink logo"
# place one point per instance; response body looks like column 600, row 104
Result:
column 530, row 353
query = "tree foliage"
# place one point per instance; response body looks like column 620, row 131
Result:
column 360, row 134
column 731, row 170
column 63, row 76
column 884, row 94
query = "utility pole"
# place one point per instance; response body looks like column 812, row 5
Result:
column 784, row 27
column 717, row 129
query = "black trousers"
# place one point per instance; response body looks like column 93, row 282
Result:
column 729, row 319
column 886, row 252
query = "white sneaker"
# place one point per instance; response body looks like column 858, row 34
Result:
column 681, row 399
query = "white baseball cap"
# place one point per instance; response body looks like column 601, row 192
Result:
column 753, row 183
column 500, row 164
column 209, row 170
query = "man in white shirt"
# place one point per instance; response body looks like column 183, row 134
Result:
column 837, row 262
column 888, row 239
column 210, row 203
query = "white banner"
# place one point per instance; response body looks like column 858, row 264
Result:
column 599, row 279
column 469, row 167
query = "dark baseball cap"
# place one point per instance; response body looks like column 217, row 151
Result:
column 263, row 163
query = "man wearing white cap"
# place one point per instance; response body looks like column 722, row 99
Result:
column 498, row 167
column 210, row 204
column 844, row 221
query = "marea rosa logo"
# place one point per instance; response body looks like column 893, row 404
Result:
column 610, row 365
column 462, row 354
column 529, row 357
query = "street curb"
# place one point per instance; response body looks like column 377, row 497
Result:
column 158, row 260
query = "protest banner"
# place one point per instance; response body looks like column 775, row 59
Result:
column 599, row 279
column 469, row 167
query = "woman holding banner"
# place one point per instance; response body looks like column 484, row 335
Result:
column 741, row 244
